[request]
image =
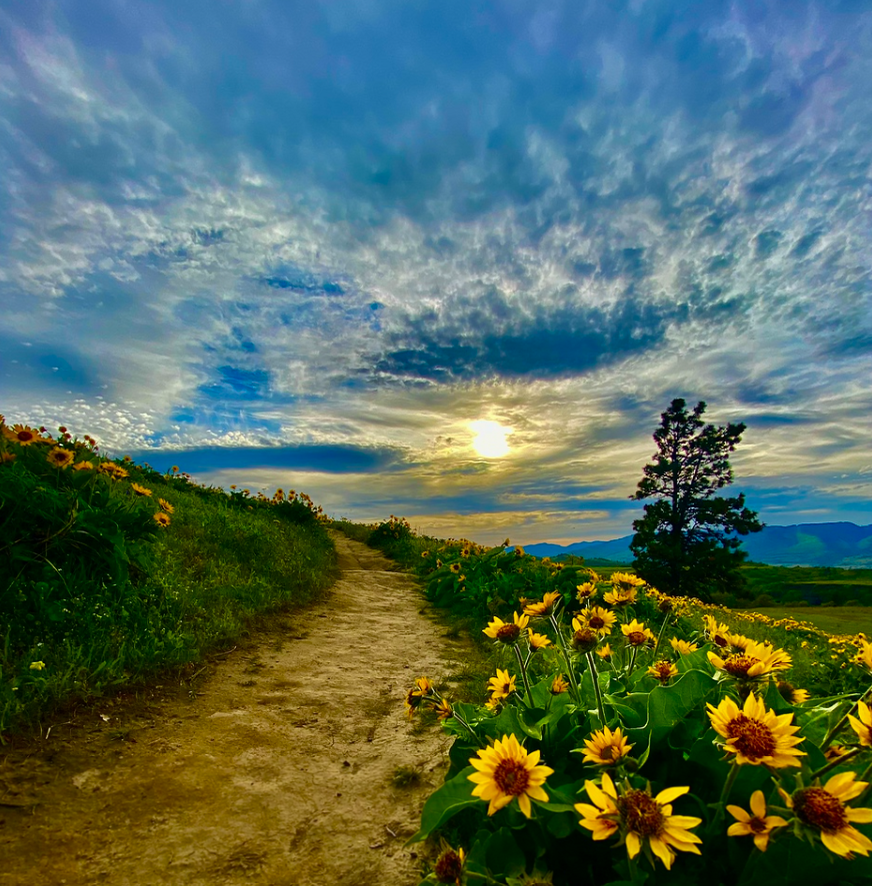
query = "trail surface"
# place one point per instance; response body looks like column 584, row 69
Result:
column 275, row 766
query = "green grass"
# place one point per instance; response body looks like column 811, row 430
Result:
column 832, row 619
column 223, row 562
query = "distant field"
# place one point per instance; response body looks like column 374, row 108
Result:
column 833, row 620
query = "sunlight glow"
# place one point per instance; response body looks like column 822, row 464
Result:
column 490, row 439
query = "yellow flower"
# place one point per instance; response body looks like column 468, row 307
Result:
column 863, row 726
column 756, row 735
column 449, row 866
column 824, row 808
column 60, row 458
column 166, row 506
column 604, row 651
column 757, row 822
column 636, row 633
column 791, row 694
column 626, row 581
column 558, row 685
column 519, row 551
column 83, row 466
column 140, row 490
column 717, row 633
column 663, row 671
column 454, row 567
column 506, row 771
column 606, row 747
column 21, row 434
column 864, row 656
column 545, row 607
column 161, row 519
column 756, row 660
column 116, row 472
column 639, row 817
column 537, row 641
column 585, row 591
column 443, row 709
column 416, row 695
column 682, row 646
column 37, row 666
column 598, row 619
column 506, row 632
column 502, row 685
column 620, row 597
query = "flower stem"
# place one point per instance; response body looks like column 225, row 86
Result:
column 836, row 762
column 632, row 662
column 468, row 728
column 725, row 795
column 660, row 635
column 865, row 775
column 561, row 640
column 596, row 688
column 528, row 696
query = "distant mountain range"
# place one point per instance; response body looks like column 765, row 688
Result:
column 804, row 544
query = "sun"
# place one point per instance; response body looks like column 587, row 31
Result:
column 490, row 439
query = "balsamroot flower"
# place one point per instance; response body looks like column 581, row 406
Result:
column 606, row 747
column 683, row 647
column 506, row 632
column 416, row 695
column 864, row 656
column 537, row 641
column 757, row 822
column 639, row 817
column 756, row 735
column 502, row 685
column 636, row 633
column 863, row 726
column 21, row 434
column 717, row 633
column 60, row 458
column 663, row 671
column 161, row 519
column 598, row 619
column 755, row 660
column 585, row 591
column 449, row 866
column 506, row 771
column 140, row 490
column 558, row 685
column 824, row 809
column 166, row 506
column 83, row 466
column 791, row 694
column 605, row 651
column 544, row 607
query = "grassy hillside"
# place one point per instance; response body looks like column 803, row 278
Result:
column 110, row 571
column 811, row 585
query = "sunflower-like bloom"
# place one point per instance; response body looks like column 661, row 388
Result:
column 636, row 633
column 110, row 469
column 454, row 567
column 166, row 506
column 545, row 606
column 558, row 685
column 598, row 619
column 519, row 551
column 585, row 591
column 162, row 520
column 864, row 656
column 443, row 709
column 606, row 747
column 620, row 597
column 757, row 822
column 756, row 660
column 506, row 632
column 663, row 671
column 626, row 581
column 416, row 695
column 824, row 809
column 501, row 686
column 639, row 817
column 717, row 633
column 756, row 735
column 605, row 652
column 83, row 466
column 140, row 490
column 7, row 457
column 506, row 771
column 683, row 647
column 537, row 641
column 21, row 434
column 791, row 694
column 60, row 458
column 449, row 866
column 863, row 726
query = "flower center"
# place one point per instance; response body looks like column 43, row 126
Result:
column 757, row 825
column 739, row 665
column 511, row 777
column 751, row 737
column 640, row 813
column 819, row 808
column 636, row 638
column 449, row 867
column 720, row 640
column 607, row 753
column 596, row 622
column 508, row 633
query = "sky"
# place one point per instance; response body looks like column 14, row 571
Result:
column 314, row 245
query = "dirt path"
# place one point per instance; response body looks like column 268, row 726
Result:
column 275, row 768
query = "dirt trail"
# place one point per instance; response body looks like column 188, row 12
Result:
column 275, row 768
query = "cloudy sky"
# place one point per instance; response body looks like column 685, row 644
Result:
column 312, row 243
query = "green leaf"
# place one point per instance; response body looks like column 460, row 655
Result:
column 504, row 856
column 454, row 796
column 669, row 705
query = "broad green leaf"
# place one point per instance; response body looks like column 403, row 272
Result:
column 504, row 856
column 454, row 796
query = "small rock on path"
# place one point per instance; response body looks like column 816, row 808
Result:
column 276, row 768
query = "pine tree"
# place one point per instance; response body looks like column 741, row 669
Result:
column 686, row 542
